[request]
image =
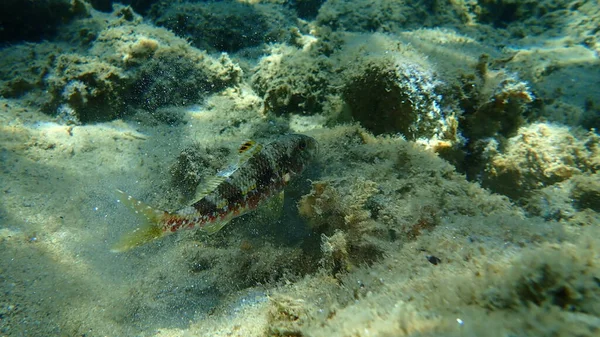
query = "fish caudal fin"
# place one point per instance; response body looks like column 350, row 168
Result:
column 141, row 235
column 149, row 229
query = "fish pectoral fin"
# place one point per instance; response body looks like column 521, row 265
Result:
column 214, row 227
column 209, row 186
column 275, row 204
column 272, row 209
column 248, row 149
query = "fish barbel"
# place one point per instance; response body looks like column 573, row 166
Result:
column 259, row 173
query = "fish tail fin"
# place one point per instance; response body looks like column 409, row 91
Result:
column 149, row 229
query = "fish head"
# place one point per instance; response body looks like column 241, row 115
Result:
column 304, row 149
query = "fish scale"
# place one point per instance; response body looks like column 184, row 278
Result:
column 259, row 173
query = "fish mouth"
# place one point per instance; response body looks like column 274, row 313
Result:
column 313, row 148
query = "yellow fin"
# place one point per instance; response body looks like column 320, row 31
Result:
column 150, row 228
column 143, row 234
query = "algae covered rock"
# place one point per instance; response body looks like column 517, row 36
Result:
column 26, row 66
column 164, row 69
column 377, row 80
column 226, row 26
column 586, row 191
column 362, row 210
column 495, row 103
column 86, row 88
column 540, row 155
column 392, row 87
column 390, row 16
column 551, row 275
column 394, row 94
column 501, row 13
column 176, row 77
column 124, row 64
column 291, row 80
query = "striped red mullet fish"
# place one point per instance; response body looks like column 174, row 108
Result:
column 259, row 174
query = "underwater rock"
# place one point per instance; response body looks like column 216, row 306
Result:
column 563, row 76
column 380, row 201
column 292, row 80
column 102, row 5
column 164, row 70
column 390, row 85
column 551, row 275
column 389, row 15
column 540, row 155
column 26, row 65
column 378, row 81
column 128, row 64
column 495, row 104
column 181, row 77
column 225, row 26
column 393, row 94
column 307, row 9
column 122, row 64
column 501, row 13
column 586, row 191
column 88, row 88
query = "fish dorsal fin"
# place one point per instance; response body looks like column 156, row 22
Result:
column 248, row 149
column 246, row 145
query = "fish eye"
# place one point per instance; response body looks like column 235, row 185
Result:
column 302, row 145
